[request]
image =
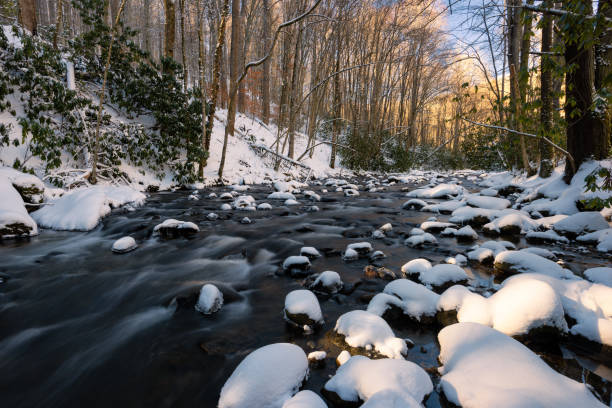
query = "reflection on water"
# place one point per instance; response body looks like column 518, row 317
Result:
column 82, row 326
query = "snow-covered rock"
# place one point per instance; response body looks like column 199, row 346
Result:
column 483, row 367
column 310, row 252
column 296, row 265
column 466, row 233
column 210, row 299
column 474, row 216
column 581, row 223
column 350, row 255
column 267, row 377
column 361, row 378
column 225, row 207
column 445, row 207
column 492, row 203
column 173, row 228
column 14, row 218
column 264, row 207
column 439, row 191
column 327, row 282
column 343, row 357
column 281, row 196
column 412, row 299
column 511, row 224
column 305, row 399
column 419, row 240
column 362, row 248
column 123, row 245
column 414, row 204
column 302, row 308
column 366, row 330
column 601, row 275
column 435, row 226
column 602, row 238
column 351, row 192
column 82, row 209
column 442, row 276
column 483, row 255
column 511, row 262
column 244, row 202
column 415, row 267
column 549, row 236
column 212, row 216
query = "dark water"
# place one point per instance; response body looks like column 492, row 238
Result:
column 80, row 326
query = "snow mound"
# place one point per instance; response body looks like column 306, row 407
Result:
column 483, row 367
column 367, row 330
column 210, row 299
column 14, row 218
column 361, row 378
column 305, row 399
column 267, row 377
column 82, row 209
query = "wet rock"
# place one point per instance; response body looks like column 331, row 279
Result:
column 123, row 245
column 373, row 272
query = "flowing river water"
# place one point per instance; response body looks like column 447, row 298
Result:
column 81, row 326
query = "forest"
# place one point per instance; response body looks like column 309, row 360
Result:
column 306, row 203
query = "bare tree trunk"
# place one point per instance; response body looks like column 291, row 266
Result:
column 170, row 29
column 183, row 48
column 215, row 84
column 241, row 102
column 93, row 179
column 336, row 104
column 603, row 72
column 236, row 47
column 27, row 15
column 265, row 79
column 546, row 90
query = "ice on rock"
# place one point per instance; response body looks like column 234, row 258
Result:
column 210, row 300
column 466, row 233
column 310, row 252
column 413, row 299
column 581, row 223
column 361, row 378
column 267, row 377
column 82, row 209
column 439, row 191
column 302, row 308
column 281, row 196
column 601, row 275
column 418, row 240
column 343, row 357
column 297, row 265
column 123, row 245
column 366, row 330
column 14, row 218
column 414, row 204
column 483, row 367
column 264, row 207
column 305, row 399
column 511, row 262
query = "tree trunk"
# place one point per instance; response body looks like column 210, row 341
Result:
column 235, row 50
column 265, row 79
column 27, row 15
column 183, row 47
column 215, row 84
column 170, row 29
column 603, row 79
column 59, row 22
column 241, row 102
column 546, row 90
column 337, row 106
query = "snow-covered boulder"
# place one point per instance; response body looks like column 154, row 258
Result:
column 601, row 275
column 435, row 226
column 512, row 262
column 305, row 399
column 211, row 216
column 123, row 245
column 466, row 233
column 368, row 331
column 420, row 240
column 302, row 309
column 264, row 207
column 511, row 224
column 14, row 218
column 601, row 238
column 267, row 377
column 326, row 282
column 546, row 237
column 362, row 248
column 30, row 188
column 414, row 204
column 439, row 191
column 483, row 255
column 443, row 276
column 492, row 203
column 482, row 367
column 446, row 207
column 210, row 299
column 581, row 223
column 473, row 216
column 361, row 378
column 310, row 252
column 82, row 209
column 343, row 357
column 244, row 202
column 415, row 267
column 297, row 266
column 350, row 255
column 172, row 228
column 225, row 207
column 350, row 192
column 405, row 298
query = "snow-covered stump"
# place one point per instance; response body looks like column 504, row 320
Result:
column 172, row 228
column 124, row 245
column 302, row 310
column 268, row 377
column 483, row 367
column 296, row 266
column 210, row 299
column 327, row 282
column 365, row 332
column 379, row 383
